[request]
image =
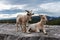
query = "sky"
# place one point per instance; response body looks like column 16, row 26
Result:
column 12, row 8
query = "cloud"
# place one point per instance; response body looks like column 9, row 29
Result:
column 11, row 11
column 35, row 2
column 51, row 7
column 7, row 6
column 11, row 8
column 7, row 16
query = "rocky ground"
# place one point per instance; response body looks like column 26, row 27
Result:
column 8, row 32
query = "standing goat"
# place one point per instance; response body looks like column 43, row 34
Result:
column 23, row 20
column 39, row 25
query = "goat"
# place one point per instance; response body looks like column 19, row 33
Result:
column 23, row 20
column 39, row 25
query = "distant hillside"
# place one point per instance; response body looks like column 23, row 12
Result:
column 8, row 20
column 51, row 20
column 54, row 22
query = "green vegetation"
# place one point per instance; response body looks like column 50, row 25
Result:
column 54, row 22
column 8, row 21
column 50, row 22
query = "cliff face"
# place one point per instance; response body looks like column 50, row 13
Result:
column 8, row 32
column 12, row 37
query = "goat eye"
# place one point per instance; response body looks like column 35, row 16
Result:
column 27, row 14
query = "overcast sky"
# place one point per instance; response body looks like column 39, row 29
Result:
column 11, row 8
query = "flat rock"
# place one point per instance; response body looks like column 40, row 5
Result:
column 8, row 32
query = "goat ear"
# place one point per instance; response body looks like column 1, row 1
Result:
column 27, row 11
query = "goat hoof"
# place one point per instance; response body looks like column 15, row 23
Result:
column 26, row 26
column 45, row 33
column 24, row 32
column 28, row 32
column 16, row 31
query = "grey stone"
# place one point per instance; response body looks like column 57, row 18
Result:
column 8, row 32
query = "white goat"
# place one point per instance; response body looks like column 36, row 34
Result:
column 39, row 25
column 23, row 20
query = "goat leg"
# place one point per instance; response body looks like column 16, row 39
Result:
column 24, row 28
column 17, row 27
column 37, row 30
column 28, row 28
column 44, row 31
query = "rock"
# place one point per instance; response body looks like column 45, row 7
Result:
column 8, row 32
